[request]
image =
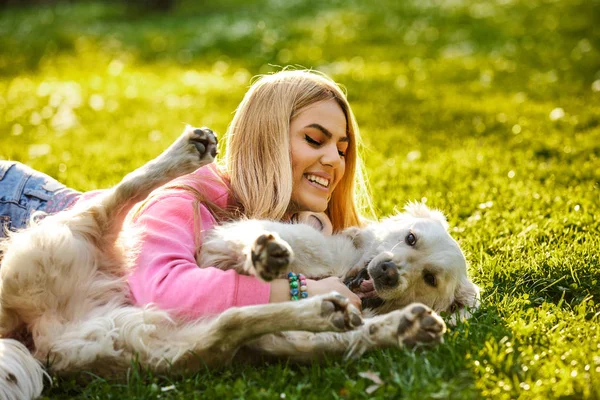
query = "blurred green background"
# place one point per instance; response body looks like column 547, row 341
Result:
column 488, row 110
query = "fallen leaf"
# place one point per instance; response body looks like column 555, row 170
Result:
column 371, row 376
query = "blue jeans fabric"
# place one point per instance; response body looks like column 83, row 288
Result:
column 23, row 191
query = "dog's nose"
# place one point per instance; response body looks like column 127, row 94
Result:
column 386, row 274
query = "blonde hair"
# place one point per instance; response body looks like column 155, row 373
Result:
column 258, row 161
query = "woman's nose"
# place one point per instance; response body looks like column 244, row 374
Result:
column 331, row 156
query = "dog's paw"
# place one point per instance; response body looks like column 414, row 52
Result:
column 270, row 256
column 340, row 313
column 420, row 325
column 205, row 142
column 413, row 325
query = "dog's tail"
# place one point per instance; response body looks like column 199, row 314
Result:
column 21, row 375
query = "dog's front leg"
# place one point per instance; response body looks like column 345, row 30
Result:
column 414, row 325
column 249, row 247
column 270, row 249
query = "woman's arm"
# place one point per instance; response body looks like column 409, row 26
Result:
column 165, row 271
column 280, row 289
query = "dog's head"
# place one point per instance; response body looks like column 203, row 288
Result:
column 411, row 257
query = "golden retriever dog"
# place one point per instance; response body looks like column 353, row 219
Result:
column 407, row 258
column 63, row 280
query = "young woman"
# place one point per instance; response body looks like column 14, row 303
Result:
column 292, row 146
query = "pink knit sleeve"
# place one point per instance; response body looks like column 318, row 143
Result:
column 165, row 272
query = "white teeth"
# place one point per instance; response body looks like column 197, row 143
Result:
column 317, row 179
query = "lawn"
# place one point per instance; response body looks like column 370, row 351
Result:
column 487, row 110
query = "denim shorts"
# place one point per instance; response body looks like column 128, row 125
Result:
column 24, row 190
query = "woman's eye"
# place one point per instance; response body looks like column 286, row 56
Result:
column 411, row 239
column 311, row 140
column 342, row 153
column 430, row 279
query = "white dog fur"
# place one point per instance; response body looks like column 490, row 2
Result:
column 432, row 270
column 63, row 280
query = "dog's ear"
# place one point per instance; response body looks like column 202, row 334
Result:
column 420, row 210
column 356, row 235
column 466, row 299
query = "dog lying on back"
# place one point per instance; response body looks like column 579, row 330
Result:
column 406, row 258
column 64, row 280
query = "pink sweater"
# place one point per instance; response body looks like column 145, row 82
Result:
column 165, row 272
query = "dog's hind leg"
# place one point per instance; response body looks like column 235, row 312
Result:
column 193, row 149
column 62, row 253
column 237, row 326
column 414, row 325
column 111, row 339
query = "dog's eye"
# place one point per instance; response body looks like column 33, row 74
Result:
column 430, row 279
column 411, row 239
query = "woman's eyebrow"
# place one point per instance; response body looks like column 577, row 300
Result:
column 326, row 132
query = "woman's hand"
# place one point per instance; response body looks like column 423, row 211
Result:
column 328, row 285
column 280, row 289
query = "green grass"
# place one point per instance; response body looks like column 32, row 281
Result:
column 489, row 110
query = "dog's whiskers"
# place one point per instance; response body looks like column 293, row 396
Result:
column 396, row 245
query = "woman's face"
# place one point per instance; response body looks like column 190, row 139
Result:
column 318, row 143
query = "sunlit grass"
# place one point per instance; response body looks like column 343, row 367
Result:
column 488, row 110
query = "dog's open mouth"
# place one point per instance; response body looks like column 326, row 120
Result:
column 362, row 285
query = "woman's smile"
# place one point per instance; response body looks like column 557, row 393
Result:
column 318, row 143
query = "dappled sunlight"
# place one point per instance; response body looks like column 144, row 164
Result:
column 487, row 110
column 70, row 97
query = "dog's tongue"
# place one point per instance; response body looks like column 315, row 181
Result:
column 366, row 286
column 366, row 290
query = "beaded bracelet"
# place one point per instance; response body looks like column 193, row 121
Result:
column 297, row 286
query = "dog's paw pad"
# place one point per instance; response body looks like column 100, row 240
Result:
column 420, row 325
column 425, row 328
column 205, row 142
column 270, row 256
column 342, row 315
